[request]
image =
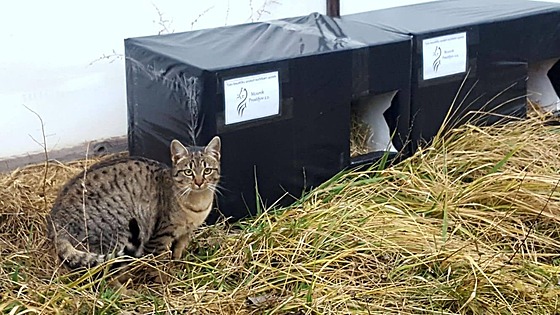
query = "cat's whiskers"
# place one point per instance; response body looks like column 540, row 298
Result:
column 218, row 189
column 214, row 188
column 186, row 192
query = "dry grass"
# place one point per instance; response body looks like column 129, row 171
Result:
column 470, row 225
column 360, row 134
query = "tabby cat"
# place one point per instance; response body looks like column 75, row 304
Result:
column 134, row 206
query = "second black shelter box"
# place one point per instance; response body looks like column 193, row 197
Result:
column 278, row 94
column 491, row 43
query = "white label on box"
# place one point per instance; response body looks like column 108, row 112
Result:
column 444, row 55
column 251, row 97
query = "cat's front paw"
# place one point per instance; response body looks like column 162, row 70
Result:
column 177, row 254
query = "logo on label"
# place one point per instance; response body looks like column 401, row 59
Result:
column 242, row 98
column 437, row 61
column 444, row 55
column 251, row 97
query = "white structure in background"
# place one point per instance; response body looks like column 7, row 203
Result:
column 61, row 59
column 52, row 60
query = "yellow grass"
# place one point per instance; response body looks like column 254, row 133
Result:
column 470, row 225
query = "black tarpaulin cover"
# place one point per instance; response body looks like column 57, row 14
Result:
column 248, row 44
column 300, row 71
column 502, row 37
column 506, row 20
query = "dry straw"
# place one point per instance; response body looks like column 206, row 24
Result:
column 360, row 136
column 469, row 225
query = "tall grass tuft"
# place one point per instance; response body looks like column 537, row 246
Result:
column 468, row 225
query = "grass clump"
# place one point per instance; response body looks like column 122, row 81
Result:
column 469, row 225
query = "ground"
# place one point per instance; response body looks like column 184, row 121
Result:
column 469, row 225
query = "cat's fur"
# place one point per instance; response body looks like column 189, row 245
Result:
column 134, row 206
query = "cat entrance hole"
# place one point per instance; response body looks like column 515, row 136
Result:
column 369, row 129
column 540, row 89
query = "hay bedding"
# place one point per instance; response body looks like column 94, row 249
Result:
column 360, row 135
column 468, row 226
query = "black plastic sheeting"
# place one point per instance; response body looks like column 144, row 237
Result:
column 176, row 88
column 502, row 37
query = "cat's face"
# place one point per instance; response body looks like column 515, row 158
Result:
column 196, row 168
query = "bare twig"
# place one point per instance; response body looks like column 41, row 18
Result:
column 262, row 10
column 111, row 57
column 199, row 16
column 164, row 23
column 84, row 193
column 252, row 10
column 227, row 13
column 45, row 151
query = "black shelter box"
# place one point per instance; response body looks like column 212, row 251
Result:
column 474, row 55
column 278, row 94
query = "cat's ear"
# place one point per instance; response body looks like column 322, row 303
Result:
column 178, row 150
column 214, row 147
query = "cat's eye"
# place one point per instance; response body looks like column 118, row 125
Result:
column 208, row 171
column 188, row 172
